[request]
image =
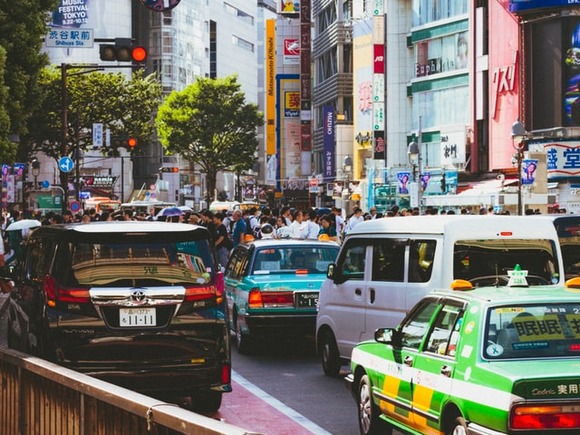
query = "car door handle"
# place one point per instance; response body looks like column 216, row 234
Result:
column 372, row 295
column 446, row 371
column 408, row 361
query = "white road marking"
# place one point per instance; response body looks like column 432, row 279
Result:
column 287, row 411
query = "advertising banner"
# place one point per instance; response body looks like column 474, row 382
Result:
column 328, row 142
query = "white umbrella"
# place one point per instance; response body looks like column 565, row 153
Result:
column 23, row 224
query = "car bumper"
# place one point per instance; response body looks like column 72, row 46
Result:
column 290, row 324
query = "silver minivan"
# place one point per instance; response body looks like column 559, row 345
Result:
column 386, row 265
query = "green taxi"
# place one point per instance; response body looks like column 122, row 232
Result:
column 272, row 287
column 478, row 361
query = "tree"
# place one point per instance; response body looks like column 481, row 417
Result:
column 123, row 106
column 23, row 25
column 210, row 124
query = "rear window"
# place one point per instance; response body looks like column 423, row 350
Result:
column 290, row 259
column 531, row 331
column 135, row 261
column 484, row 262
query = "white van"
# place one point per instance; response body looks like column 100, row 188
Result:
column 386, row 265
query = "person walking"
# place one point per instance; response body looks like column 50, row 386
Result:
column 240, row 228
column 223, row 243
column 327, row 229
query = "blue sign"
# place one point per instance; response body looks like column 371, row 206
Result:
column 328, row 140
column 65, row 164
column 525, row 5
column 45, row 184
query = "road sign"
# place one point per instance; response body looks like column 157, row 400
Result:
column 97, row 134
column 65, row 164
column 45, row 184
column 70, row 38
column 74, row 206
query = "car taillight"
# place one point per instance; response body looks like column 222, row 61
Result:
column 71, row 295
column 269, row 299
column 196, row 294
column 226, row 374
column 528, row 417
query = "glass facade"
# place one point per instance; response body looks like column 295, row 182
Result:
column 428, row 11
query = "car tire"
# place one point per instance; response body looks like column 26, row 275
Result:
column 328, row 351
column 243, row 341
column 459, row 427
column 369, row 421
column 209, row 401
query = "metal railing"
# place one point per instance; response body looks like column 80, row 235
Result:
column 39, row 397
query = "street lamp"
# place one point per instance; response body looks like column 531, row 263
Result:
column 519, row 134
column 414, row 157
column 347, row 169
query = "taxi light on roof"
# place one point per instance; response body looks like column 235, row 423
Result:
column 461, row 285
column 301, row 271
column 506, row 233
column 527, row 417
column 573, row 282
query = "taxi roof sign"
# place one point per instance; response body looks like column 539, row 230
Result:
column 517, row 277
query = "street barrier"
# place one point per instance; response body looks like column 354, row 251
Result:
column 41, row 398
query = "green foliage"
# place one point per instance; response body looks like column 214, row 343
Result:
column 23, row 25
column 210, row 124
column 7, row 149
column 121, row 105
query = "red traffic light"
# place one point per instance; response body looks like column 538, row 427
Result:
column 169, row 169
column 123, row 51
column 139, row 54
column 132, row 142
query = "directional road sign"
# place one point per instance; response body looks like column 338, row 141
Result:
column 65, row 164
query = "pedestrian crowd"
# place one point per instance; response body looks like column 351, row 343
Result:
column 230, row 228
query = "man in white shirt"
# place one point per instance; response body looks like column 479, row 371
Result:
column 297, row 229
column 356, row 218
column 311, row 227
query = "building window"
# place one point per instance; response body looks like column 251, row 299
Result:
column 428, row 11
column 239, row 13
column 243, row 43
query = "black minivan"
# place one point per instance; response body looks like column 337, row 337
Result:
column 138, row 304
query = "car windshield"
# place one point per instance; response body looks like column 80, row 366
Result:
column 312, row 259
column 532, row 331
column 487, row 262
column 136, row 263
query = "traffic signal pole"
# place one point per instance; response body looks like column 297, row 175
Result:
column 64, row 148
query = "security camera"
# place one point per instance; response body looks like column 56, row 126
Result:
column 500, row 177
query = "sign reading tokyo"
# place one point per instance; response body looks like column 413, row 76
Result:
column 71, row 13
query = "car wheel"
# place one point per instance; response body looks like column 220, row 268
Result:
column 459, row 427
column 209, row 401
column 368, row 413
column 243, row 341
column 329, row 354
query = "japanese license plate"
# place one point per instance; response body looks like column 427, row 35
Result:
column 306, row 299
column 133, row 317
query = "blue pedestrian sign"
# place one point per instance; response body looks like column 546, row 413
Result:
column 65, row 164
column 45, row 184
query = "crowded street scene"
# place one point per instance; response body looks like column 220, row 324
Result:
column 290, row 217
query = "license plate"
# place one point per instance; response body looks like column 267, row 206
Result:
column 133, row 317
column 307, row 300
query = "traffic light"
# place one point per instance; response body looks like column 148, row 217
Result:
column 443, row 183
column 123, row 51
column 169, row 169
column 132, row 142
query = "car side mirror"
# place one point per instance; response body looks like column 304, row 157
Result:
column 388, row 336
column 333, row 274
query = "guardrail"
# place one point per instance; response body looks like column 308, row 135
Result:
column 39, row 397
